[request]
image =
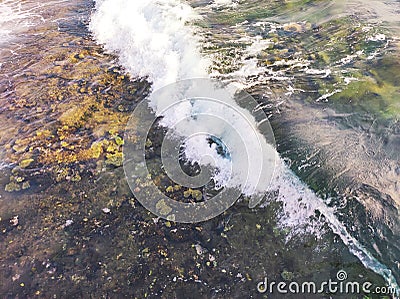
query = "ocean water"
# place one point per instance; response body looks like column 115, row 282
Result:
column 324, row 72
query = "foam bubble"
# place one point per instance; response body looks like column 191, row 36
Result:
column 151, row 38
column 225, row 3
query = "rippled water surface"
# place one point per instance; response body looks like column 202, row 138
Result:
column 325, row 72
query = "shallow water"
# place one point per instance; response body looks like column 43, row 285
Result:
column 326, row 74
column 339, row 136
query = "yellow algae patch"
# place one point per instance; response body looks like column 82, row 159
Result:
column 61, row 156
column 91, row 114
column 169, row 189
column 83, row 102
column 25, row 163
column 295, row 27
column 73, row 116
column 114, row 159
column 163, row 208
column 195, row 194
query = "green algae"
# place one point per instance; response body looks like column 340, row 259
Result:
column 169, row 189
column 374, row 89
column 17, row 182
column 163, row 208
column 195, row 194
column 25, row 185
column 118, row 140
column 286, row 275
column 251, row 10
column 356, row 81
column 25, row 163
column 360, row 72
column 12, row 186
column 381, row 99
column 114, row 159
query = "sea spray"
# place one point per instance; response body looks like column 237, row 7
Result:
column 150, row 38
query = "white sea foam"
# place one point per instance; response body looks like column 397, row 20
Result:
column 215, row 113
column 224, row 3
column 150, row 38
